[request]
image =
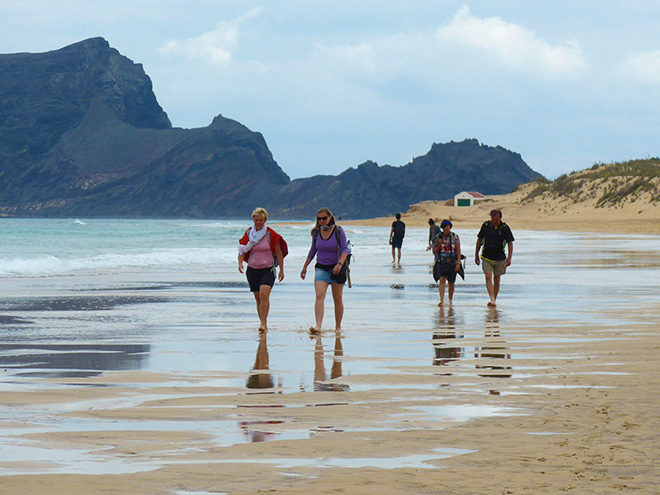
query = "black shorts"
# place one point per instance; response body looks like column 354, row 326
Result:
column 257, row 277
column 448, row 271
column 397, row 242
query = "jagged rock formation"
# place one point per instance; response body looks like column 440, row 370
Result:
column 370, row 190
column 81, row 133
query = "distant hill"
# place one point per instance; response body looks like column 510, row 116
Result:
column 370, row 191
column 82, row 134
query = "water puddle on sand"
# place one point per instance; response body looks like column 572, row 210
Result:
column 462, row 412
column 412, row 461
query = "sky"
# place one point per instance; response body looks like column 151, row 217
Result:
column 332, row 84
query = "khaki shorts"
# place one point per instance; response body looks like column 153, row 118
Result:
column 496, row 267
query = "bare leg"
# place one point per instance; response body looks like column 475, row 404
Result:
column 258, row 301
column 490, row 289
column 496, row 287
column 398, row 255
column 451, row 288
column 441, row 290
column 393, row 254
column 320, row 288
column 264, row 306
column 337, row 292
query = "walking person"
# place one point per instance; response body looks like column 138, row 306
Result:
column 491, row 239
column 397, row 234
column 447, row 251
column 434, row 229
column 330, row 248
column 261, row 247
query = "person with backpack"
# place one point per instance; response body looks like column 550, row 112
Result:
column 434, row 229
column 447, row 251
column 330, row 247
column 397, row 234
column 491, row 239
column 263, row 249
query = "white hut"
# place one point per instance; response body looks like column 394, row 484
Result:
column 467, row 198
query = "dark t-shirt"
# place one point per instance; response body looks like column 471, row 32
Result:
column 399, row 229
column 494, row 240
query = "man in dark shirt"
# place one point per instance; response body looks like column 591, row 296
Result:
column 397, row 234
column 493, row 236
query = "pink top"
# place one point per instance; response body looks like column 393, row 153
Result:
column 261, row 255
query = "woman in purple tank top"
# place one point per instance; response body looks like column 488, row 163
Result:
column 330, row 247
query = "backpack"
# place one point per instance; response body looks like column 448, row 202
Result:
column 283, row 246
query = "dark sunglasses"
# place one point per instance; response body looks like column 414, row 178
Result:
column 321, row 219
column 445, row 224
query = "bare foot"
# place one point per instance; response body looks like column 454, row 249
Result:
column 314, row 330
column 263, row 329
column 491, row 304
column 441, row 303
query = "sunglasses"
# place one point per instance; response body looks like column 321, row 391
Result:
column 321, row 219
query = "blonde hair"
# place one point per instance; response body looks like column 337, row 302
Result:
column 260, row 212
column 316, row 219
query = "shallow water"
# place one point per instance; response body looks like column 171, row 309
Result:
column 79, row 299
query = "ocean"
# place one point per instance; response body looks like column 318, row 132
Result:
column 173, row 285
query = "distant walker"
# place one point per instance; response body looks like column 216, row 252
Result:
column 493, row 236
column 397, row 234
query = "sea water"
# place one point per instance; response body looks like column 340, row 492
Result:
column 168, row 296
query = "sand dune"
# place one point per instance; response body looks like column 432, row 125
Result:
column 636, row 214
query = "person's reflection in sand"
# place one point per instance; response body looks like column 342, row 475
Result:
column 446, row 329
column 260, row 377
column 494, row 349
column 320, row 385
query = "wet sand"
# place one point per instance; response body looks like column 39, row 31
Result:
column 554, row 391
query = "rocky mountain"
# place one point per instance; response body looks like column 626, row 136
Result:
column 371, row 190
column 82, row 134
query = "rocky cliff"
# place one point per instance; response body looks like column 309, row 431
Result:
column 82, row 134
column 371, row 190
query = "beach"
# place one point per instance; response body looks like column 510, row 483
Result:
column 133, row 365
column 641, row 216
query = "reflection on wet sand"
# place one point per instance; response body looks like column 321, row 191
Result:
column 260, row 376
column 494, row 349
column 320, row 384
column 68, row 360
column 446, row 329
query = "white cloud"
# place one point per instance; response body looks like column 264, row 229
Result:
column 644, row 67
column 214, row 47
column 452, row 53
column 514, row 46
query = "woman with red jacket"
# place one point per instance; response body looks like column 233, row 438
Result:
column 261, row 247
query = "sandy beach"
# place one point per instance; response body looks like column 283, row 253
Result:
column 552, row 392
column 641, row 216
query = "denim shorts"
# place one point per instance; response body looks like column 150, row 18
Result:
column 321, row 275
